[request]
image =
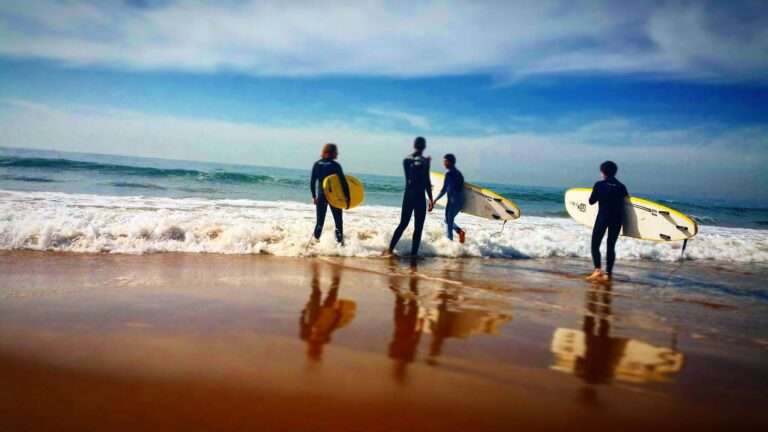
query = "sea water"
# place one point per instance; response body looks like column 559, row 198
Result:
column 100, row 203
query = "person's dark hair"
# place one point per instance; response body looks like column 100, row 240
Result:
column 420, row 143
column 609, row 168
column 450, row 158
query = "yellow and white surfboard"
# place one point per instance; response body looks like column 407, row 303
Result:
column 643, row 219
column 334, row 193
column 478, row 201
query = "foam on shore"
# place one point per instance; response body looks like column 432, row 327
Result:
column 94, row 223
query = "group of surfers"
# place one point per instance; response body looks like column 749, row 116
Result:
column 609, row 193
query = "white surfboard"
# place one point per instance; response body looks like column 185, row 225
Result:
column 478, row 201
column 643, row 219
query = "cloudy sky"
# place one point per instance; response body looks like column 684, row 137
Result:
column 526, row 92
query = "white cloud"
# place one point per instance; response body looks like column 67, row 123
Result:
column 685, row 160
column 712, row 40
column 414, row 120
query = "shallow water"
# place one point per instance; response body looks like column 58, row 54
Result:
column 32, row 170
column 54, row 221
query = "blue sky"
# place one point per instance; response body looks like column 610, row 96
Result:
column 523, row 92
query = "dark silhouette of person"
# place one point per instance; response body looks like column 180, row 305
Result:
column 610, row 195
column 417, row 183
column 408, row 325
column 441, row 330
column 603, row 352
column 325, row 167
column 321, row 317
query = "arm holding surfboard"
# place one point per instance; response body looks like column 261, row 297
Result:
column 344, row 185
column 323, row 170
column 640, row 218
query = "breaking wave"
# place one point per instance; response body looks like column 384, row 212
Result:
column 93, row 223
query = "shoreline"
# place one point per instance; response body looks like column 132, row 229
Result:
column 240, row 342
column 108, row 224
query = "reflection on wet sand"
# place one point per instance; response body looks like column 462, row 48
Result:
column 444, row 316
column 450, row 318
column 320, row 318
column 596, row 357
column 209, row 342
column 408, row 325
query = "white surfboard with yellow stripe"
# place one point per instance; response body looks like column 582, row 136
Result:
column 643, row 219
column 478, row 201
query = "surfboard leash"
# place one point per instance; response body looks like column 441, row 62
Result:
column 503, row 224
column 679, row 265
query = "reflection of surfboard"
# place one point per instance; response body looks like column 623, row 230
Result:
column 627, row 359
column 335, row 194
column 462, row 323
column 643, row 219
column 478, row 201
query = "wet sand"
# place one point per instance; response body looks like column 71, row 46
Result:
column 215, row 342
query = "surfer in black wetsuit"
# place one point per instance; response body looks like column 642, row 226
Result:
column 323, row 168
column 453, row 185
column 416, row 167
column 611, row 195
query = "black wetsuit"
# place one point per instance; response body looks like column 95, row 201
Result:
column 453, row 185
column 610, row 194
column 416, row 167
column 322, row 169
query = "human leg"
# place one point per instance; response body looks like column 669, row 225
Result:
column 420, row 213
column 338, row 219
column 610, row 254
column 405, row 219
column 320, row 209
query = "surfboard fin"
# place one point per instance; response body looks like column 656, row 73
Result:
column 682, row 252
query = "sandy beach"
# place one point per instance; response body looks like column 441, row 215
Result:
column 383, row 216
column 217, row 342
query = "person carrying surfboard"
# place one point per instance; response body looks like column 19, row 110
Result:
column 416, row 168
column 610, row 194
column 323, row 168
column 453, row 185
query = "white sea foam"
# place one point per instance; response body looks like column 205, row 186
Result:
column 93, row 223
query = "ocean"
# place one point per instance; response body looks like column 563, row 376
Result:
column 93, row 291
column 102, row 203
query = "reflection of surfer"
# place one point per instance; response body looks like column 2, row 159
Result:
column 320, row 317
column 408, row 325
column 598, row 358
column 441, row 329
column 602, row 351
column 451, row 319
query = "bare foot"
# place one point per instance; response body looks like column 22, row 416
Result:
column 604, row 278
column 388, row 253
column 595, row 275
column 462, row 236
